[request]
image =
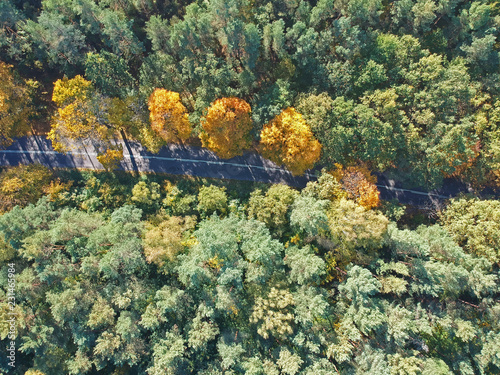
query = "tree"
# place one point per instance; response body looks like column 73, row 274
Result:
column 359, row 184
column 288, row 140
column 56, row 42
column 168, row 116
column 273, row 207
column 226, row 127
column 14, row 106
column 83, row 115
column 109, row 73
column 74, row 119
column 354, row 227
column 309, row 215
column 475, row 225
column 163, row 242
column 146, row 194
column 212, row 199
column 23, row 184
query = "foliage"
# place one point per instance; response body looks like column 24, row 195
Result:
column 14, row 105
column 288, row 140
column 110, row 159
column 359, row 185
column 272, row 208
column 226, row 127
column 119, row 273
column 163, row 242
column 475, row 225
column 212, row 199
column 23, row 184
column 168, row 116
column 229, row 294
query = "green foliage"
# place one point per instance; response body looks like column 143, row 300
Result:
column 109, row 74
column 212, row 199
column 308, row 215
column 230, row 278
column 475, row 225
column 272, row 208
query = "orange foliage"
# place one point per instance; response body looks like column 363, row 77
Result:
column 227, row 127
column 169, row 117
column 288, row 140
column 461, row 168
column 359, row 184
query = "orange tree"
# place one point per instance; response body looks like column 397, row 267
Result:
column 288, row 140
column 359, row 184
column 227, row 126
column 169, row 117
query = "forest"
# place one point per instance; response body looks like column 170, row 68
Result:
column 127, row 273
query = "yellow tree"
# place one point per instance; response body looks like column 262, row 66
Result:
column 227, row 126
column 14, row 106
column 288, row 140
column 169, row 117
column 74, row 118
column 83, row 114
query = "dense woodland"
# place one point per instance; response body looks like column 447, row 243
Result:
column 122, row 273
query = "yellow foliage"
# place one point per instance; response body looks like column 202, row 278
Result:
column 23, row 184
column 227, row 127
column 14, row 107
column 295, row 239
column 111, row 158
column 359, row 184
column 119, row 113
column 34, row 372
column 80, row 116
column 169, row 117
column 215, row 263
column 163, row 242
column 288, row 140
column 70, row 90
column 56, row 188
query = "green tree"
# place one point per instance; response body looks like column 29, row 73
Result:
column 109, row 73
column 474, row 224
column 212, row 199
column 272, row 208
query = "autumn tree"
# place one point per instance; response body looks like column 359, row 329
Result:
column 23, row 184
column 74, row 118
column 359, row 184
column 168, row 116
column 226, row 127
column 288, row 140
column 83, row 114
column 163, row 242
column 14, row 106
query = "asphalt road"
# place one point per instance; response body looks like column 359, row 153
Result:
column 194, row 161
column 174, row 159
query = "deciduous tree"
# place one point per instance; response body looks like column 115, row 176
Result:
column 168, row 116
column 288, row 140
column 227, row 127
column 14, row 106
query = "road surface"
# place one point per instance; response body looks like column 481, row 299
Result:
column 193, row 161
